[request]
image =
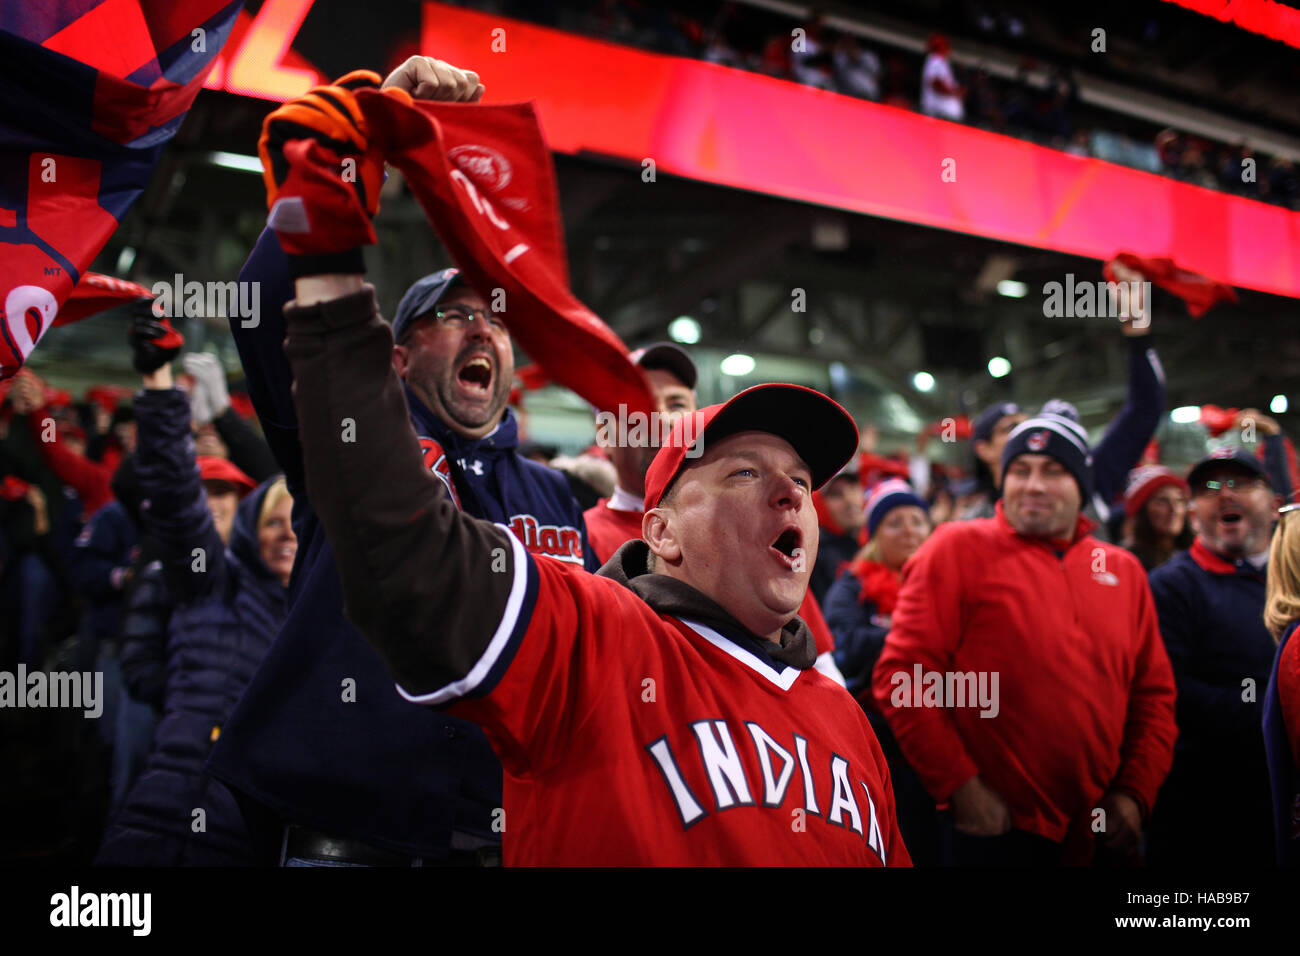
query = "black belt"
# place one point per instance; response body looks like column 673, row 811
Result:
column 308, row 844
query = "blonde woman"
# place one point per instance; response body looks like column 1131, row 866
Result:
column 1282, row 699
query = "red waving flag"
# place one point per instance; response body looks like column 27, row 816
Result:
column 484, row 177
column 1199, row 292
column 93, row 90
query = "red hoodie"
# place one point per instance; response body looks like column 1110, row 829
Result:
column 1085, row 695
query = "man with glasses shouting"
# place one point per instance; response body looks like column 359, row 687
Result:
column 1215, row 807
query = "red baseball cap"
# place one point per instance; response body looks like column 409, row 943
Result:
column 821, row 432
column 212, row 468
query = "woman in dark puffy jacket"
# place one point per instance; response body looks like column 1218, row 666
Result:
column 229, row 602
column 857, row 609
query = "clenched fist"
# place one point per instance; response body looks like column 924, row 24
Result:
column 428, row 79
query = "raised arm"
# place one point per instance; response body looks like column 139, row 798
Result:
column 426, row 584
column 266, row 370
column 1132, row 429
column 177, row 515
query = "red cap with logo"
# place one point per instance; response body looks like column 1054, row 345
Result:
column 212, row 468
column 821, row 432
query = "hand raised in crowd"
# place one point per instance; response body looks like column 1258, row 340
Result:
column 154, row 342
column 1264, row 425
column 1139, row 322
column 27, row 394
column 428, row 79
column 978, row 810
column 210, row 396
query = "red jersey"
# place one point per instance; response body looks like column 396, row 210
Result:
column 630, row 737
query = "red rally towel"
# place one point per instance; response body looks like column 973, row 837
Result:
column 1199, row 292
column 484, row 177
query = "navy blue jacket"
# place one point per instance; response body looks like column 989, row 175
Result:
column 859, row 631
column 226, row 614
column 1282, row 770
column 1211, row 618
column 833, row 550
column 321, row 737
column 107, row 542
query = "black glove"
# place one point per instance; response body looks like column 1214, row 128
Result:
column 154, row 342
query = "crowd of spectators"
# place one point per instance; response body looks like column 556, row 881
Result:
column 1039, row 103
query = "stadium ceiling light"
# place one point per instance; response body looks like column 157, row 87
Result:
column 738, row 364
column 999, row 367
column 245, row 164
column 684, row 329
column 1012, row 288
column 1279, row 405
column 1185, row 414
column 923, row 382
column 125, row 260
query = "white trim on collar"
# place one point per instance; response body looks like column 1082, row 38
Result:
column 783, row 679
column 625, row 501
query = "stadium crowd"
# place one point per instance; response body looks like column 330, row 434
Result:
column 1039, row 103
column 1068, row 652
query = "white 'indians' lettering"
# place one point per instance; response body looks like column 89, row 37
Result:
column 687, row 805
column 725, row 771
column 874, row 839
column 809, row 797
column 842, row 796
column 773, row 786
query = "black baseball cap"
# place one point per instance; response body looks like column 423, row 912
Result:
column 669, row 358
column 422, row 297
column 1228, row 455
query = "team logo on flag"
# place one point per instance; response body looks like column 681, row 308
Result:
column 435, row 459
column 487, row 167
column 1037, row 441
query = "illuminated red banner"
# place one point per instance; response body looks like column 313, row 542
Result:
column 1273, row 20
column 754, row 132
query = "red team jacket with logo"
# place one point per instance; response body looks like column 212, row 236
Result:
column 1085, row 690
column 636, row 721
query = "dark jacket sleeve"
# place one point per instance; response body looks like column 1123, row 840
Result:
column 266, row 370
column 858, row 642
column 144, row 637
column 424, row 582
column 248, row 450
column 1132, row 429
column 177, row 516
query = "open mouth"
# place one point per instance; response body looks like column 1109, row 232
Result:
column 1230, row 517
column 476, row 374
column 787, row 547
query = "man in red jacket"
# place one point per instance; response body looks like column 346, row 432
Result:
column 1024, row 675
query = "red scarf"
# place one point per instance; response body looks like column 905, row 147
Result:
column 879, row 585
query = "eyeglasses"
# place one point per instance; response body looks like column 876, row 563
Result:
column 457, row 317
column 1213, row 487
